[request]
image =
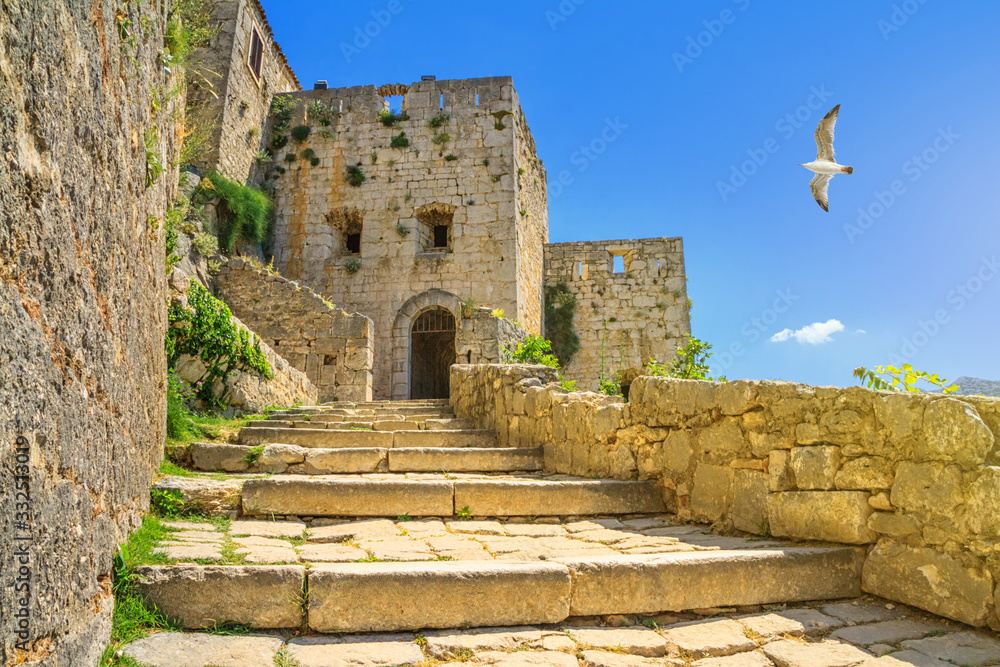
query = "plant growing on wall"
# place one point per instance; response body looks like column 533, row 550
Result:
column 441, row 119
column 242, row 211
column 300, row 133
column 691, row 363
column 441, row 138
column 206, row 244
column 560, row 309
column 205, row 329
column 281, row 113
column 354, row 176
column 402, row 230
column 390, row 118
column 533, row 350
column 352, row 265
column 319, row 112
column 450, row 157
column 468, row 307
column 279, row 141
column 399, row 141
column 263, row 157
column 154, row 166
column 901, row 379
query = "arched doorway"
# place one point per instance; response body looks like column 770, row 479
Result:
column 432, row 352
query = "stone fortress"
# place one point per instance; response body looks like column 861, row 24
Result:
column 421, row 222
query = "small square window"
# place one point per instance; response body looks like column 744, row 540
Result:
column 441, row 236
column 618, row 264
column 352, row 243
column 255, row 59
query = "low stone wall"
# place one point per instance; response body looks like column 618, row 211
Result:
column 911, row 475
column 481, row 338
column 332, row 347
column 250, row 392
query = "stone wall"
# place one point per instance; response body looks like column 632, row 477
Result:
column 913, row 476
column 478, row 182
column 82, row 314
column 623, row 319
column 332, row 347
column 237, row 98
column 482, row 338
column 248, row 391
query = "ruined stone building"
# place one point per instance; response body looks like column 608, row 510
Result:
column 417, row 206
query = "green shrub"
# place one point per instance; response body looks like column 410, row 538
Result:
column 205, row 329
column 499, row 125
column 281, row 113
column 279, row 142
column 691, row 363
column 314, row 162
column 441, row 138
column 439, row 120
column 243, row 212
column 321, row 113
column 450, row 157
column 355, row 176
column 172, row 221
column 207, row 245
column 308, row 154
column 390, row 118
column 178, row 419
column 560, row 308
column 263, row 157
column 291, row 157
column 301, row 132
column 352, row 265
column 533, row 350
column 399, row 141
column 901, row 379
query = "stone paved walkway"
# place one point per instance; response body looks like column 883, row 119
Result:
column 340, row 541
column 865, row 633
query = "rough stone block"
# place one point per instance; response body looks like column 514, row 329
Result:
column 713, row 637
column 779, row 472
column 356, row 651
column 348, row 460
column 815, row 467
column 712, row 492
column 834, row 516
column 362, row 597
column 749, row 511
column 168, row 649
column 454, row 439
column 346, row 497
column 927, row 488
column 213, row 457
column 316, row 437
column 697, row 580
column 865, row 473
column 636, row 641
column 954, row 431
column 929, row 580
column 791, row 653
column 205, row 595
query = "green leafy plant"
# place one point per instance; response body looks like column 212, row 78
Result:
column 172, row 221
column 242, row 211
column 402, row 230
column 263, row 157
column 609, row 386
column 178, row 418
column 167, row 503
column 325, row 133
column 468, row 308
column 450, row 157
column 390, row 118
column 154, row 165
column 560, row 309
column 205, row 329
column 291, row 157
column 441, row 138
column 207, row 245
column 901, row 379
column 308, row 154
column 691, row 363
column 404, row 517
column 399, row 141
column 533, row 350
column 499, row 125
column 352, row 265
column 354, row 176
column 300, row 133
column 278, row 142
column 464, row 514
column 437, row 121
column 253, row 455
column 281, row 113
column 319, row 112
column 314, row 162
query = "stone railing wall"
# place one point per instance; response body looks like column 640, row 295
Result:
column 481, row 338
column 250, row 392
column 912, row 476
column 331, row 346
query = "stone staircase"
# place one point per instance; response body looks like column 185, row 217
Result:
column 397, row 516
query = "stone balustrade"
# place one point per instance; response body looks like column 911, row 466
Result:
column 914, row 477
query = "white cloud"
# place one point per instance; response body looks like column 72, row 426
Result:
column 814, row 334
column 860, row 331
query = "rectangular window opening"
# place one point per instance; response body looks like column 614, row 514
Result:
column 341, row 106
column 579, row 270
column 441, row 236
column 353, row 243
column 477, row 97
column 618, row 264
column 442, row 100
column 255, row 58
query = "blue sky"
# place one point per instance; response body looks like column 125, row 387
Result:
column 696, row 91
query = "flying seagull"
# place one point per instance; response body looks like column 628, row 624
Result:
column 824, row 166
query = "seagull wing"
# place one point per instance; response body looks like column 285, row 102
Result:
column 818, row 186
column 824, row 135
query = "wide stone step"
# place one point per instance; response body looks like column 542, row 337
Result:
column 214, row 457
column 502, row 497
column 395, row 596
column 333, row 438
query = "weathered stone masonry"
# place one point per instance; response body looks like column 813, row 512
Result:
column 82, row 310
column 623, row 318
column 333, row 348
column 483, row 183
column 915, row 476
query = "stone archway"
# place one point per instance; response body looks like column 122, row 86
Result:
column 402, row 330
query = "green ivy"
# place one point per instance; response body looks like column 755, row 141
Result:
column 205, row 329
column 560, row 307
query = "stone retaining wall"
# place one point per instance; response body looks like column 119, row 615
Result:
column 481, row 338
column 913, row 476
column 332, row 347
